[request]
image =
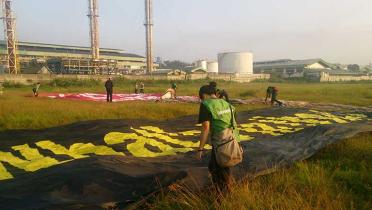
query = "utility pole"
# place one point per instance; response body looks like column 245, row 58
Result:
column 94, row 33
column 149, row 25
column 9, row 31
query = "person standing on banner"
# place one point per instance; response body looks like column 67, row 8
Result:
column 109, row 85
column 217, row 117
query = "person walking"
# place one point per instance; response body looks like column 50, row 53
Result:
column 217, row 117
column 109, row 85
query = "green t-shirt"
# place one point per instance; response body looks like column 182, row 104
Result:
column 221, row 114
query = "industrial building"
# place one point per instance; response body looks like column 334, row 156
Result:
column 290, row 68
column 64, row 59
column 311, row 69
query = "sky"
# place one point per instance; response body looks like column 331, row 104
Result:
column 339, row 31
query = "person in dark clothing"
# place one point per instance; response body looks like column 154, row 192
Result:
column 109, row 85
column 222, row 94
column 213, row 84
column 221, row 176
column 274, row 96
column 269, row 92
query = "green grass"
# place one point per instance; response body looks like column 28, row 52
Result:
column 18, row 110
column 339, row 177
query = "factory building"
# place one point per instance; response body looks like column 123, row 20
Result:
column 290, row 68
column 63, row 59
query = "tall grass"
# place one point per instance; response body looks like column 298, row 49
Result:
column 340, row 177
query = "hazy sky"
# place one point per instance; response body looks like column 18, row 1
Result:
column 336, row 30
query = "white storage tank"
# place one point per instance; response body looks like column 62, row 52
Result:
column 202, row 64
column 235, row 62
column 212, row 67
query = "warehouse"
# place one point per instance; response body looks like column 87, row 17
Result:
column 290, row 68
column 64, row 59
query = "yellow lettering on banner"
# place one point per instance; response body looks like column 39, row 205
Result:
column 355, row 117
column 138, row 148
column 158, row 130
column 245, row 137
column 265, row 129
column 34, row 160
column 161, row 135
column 4, row 174
column 77, row 150
column 333, row 117
column 248, row 128
column 118, row 138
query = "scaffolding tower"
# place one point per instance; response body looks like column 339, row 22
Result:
column 9, row 31
column 94, row 33
column 149, row 26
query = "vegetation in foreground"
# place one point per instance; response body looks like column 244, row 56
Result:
column 339, row 177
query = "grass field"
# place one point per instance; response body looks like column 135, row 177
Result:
column 18, row 110
column 340, row 177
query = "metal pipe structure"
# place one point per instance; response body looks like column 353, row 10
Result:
column 9, row 31
column 94, row 31
column 149, row 25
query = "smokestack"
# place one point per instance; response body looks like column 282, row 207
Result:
column 94, row 30
column 9, row 30
column 149, row 25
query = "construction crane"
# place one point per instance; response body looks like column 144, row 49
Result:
column 9, row 31
column 149, row 25
column 94, row 33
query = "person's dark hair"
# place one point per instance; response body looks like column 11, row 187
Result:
column 224, row 95
column 206, row 89
column 213, row 84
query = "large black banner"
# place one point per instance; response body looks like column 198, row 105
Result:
column 90, row 164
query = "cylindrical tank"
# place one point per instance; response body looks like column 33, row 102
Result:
column 235, row 62
column 212, row 67
column 202, row 64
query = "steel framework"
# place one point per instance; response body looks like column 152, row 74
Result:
column 149, row 26
column 94, row 31
column 9, row 31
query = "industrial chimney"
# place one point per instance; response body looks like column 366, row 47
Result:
column 149, row 25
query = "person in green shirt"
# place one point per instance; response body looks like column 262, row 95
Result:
column 215, row 115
